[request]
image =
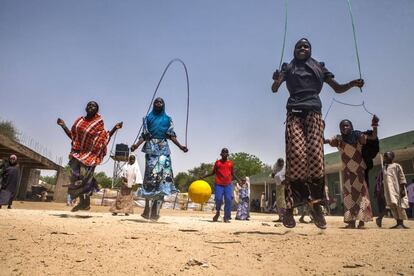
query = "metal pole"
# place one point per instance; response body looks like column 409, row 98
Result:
column 113, row 175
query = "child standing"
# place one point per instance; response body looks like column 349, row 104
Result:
column 394, row 190
column 223, row 170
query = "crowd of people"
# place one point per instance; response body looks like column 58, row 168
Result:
column 300, row 180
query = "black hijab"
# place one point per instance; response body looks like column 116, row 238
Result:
column 352, row 136
column 309, row 62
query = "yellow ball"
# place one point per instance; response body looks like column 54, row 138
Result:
column 199, row 191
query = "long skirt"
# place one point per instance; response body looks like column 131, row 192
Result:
column 158, row 177
column 357, row 205
column 124, row 201
column 82, row 181
column 243, row 209
column 6, row 197
column 304, row 158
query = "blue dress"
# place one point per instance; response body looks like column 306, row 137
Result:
column 158, row 177
column 243, row 207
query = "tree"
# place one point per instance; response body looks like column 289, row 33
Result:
column 182, row 181
column 49, row 179
column 103, row 180
column 8, row 129
column 246, row 164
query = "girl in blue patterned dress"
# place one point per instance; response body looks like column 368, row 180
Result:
column 243, row 207
column 158, row 177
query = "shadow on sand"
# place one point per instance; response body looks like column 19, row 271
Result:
column 261, row 233
column 145, row 221
column 74, row 216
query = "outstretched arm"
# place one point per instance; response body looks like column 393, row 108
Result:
column 235, row 176
column 210, row 174
column 64, row 127
column 341, row 88
column 115, row 128
column 374, row 124
column 332, row 142
column 181, row 147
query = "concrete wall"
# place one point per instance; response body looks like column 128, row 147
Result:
column 34, row 177
column 61, row 190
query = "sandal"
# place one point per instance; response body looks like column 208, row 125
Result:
column 317, row 215
column 288, row 219
column 361, row 225
column 350, row 225
column 378, row 221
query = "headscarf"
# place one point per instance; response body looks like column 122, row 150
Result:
column 132, row 173
column 302, row 40
column 158, row 122
column 352, row 136
column 310, row 62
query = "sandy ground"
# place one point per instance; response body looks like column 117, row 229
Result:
column 46, row 239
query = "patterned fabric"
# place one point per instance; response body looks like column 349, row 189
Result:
column 89, row 140
column 156, row 146
column 243, row 207
column 82, row 180
column 158, row 177
column 304, row 158
column 357, row 205
column 124, row 201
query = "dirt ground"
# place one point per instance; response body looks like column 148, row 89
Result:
column 47, row 239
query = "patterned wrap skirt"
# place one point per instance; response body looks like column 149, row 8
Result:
column 82, row 181
column 357, row 204
column 124, row 201
column 304, row 158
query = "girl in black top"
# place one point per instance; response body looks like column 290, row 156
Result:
column 304, row 78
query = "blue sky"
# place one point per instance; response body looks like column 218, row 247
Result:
column 55, row 56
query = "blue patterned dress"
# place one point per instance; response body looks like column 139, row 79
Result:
column 243, row 207
column 158, row 177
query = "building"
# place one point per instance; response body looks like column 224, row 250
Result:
column 30, row 163
column 403, row 147
column 401, row 144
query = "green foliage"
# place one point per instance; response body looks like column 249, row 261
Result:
column 49, row 179
column 200, row 171
column 103, row 180
column 8, row 129
column 246, row 164
column 183, row 180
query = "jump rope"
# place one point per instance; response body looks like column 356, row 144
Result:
column 152, row 100
column 357, row 58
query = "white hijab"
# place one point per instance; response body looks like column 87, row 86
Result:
column 132, row 173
